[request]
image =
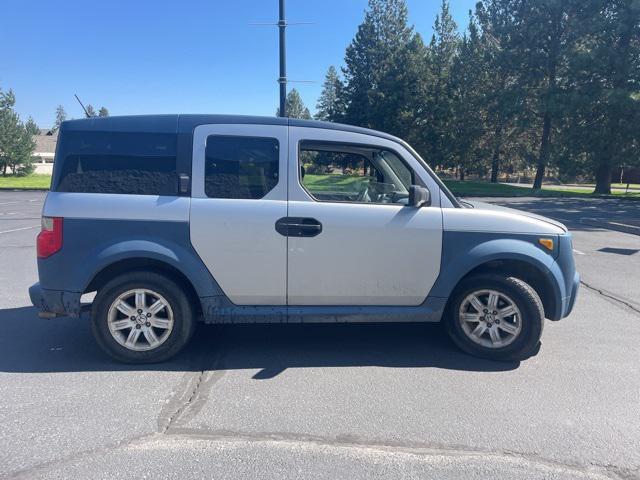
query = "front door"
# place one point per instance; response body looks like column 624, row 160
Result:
column 239, row 192
column 353, row 240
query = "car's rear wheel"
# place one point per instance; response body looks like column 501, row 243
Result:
column 142, row 317
column 495, row 317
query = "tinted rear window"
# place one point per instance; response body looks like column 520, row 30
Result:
column 240, row 167
column 116, row 162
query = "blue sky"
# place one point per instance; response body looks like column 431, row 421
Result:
column 188, row 56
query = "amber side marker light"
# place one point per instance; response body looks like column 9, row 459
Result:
column 546, row 243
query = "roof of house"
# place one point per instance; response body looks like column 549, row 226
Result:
column 46, row 141
column 180, row 123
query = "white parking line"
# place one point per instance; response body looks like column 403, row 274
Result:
column 578, row 252
column 18, row 229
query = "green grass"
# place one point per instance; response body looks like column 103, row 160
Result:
column 26, row 182
column 613, row 185
column 624, row 185
column 588, row 187
column 333, row 183
column 480, row 189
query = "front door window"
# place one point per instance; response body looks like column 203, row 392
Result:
column 356, row 174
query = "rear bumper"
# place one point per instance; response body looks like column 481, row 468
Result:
column 55, row 303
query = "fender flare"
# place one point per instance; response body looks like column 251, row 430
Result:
column 465, row 251
column 185, row 260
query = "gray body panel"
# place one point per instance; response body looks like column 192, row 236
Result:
column 464, row 251
column 91, row 245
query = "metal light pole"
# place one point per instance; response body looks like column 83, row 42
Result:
column 282, row 80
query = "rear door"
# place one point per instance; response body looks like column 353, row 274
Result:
column 353, row 240
column 239, row 192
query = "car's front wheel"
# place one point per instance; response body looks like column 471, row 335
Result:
column 142, row 317
column 495, row 317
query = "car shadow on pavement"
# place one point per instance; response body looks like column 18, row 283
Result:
column 29, row 344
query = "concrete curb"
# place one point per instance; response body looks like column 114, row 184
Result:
column 611, row 225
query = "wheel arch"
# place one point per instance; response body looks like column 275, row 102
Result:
column 174, row 261
column 517, row 257
column 136, row 264
column 525, row 271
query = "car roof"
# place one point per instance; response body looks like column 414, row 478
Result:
column 185, row 123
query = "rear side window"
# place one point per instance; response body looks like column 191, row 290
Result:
column 240, row 167
column 117, row 162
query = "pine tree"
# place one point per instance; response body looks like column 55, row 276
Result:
column 379, row 78
column 103, row 112
column 504, row 95
column 61, row 116
column 32, row 127
column 91, row 112
column 16, row 143
column 330, row 106
column 545, row 83
column 442, row 53
column 295, row 107
column 468, row 83
column 540, row 40
column 605, row 73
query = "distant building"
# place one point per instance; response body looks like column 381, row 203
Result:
column 45, row 150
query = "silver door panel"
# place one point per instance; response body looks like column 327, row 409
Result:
column 236, row 238
column 367, row 254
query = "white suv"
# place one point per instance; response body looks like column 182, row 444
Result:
column 174, row 219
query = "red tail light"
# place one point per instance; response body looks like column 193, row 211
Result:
column 49, row 239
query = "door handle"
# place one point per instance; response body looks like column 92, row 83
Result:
column 298, row 227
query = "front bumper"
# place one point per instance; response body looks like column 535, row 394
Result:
column 570, row 301
column 55, row 303
column 567, row 279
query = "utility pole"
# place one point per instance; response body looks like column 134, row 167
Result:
column 282, row 80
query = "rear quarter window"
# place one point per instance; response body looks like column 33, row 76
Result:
column 240, row 167
column 118, row 163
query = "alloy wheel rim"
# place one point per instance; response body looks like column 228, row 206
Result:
column 140, row 319
column 490, row 318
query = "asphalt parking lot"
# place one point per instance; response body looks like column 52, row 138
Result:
column 328, row 401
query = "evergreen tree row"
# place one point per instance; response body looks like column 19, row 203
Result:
column 526, row 86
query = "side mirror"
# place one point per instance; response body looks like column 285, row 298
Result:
column 419, row 196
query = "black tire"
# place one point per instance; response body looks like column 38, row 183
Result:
column 183, row 326
column 527, row 342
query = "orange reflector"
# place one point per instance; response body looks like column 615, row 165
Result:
column 546, row 243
